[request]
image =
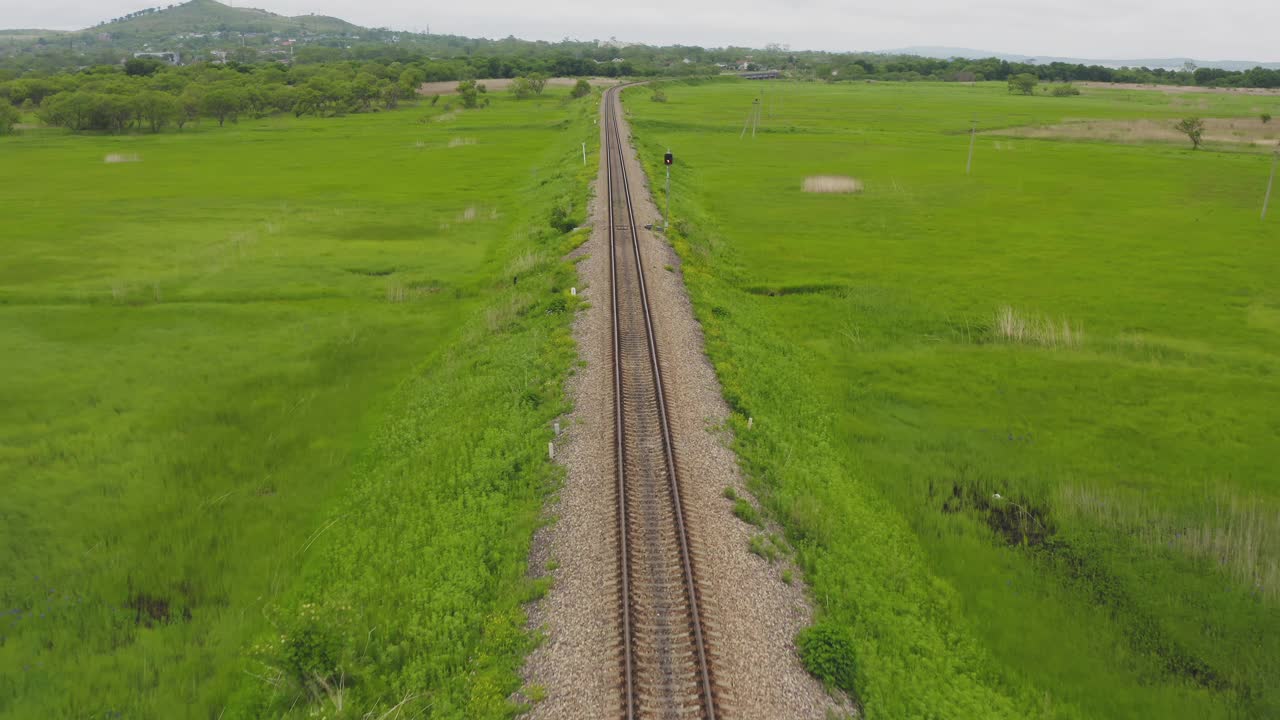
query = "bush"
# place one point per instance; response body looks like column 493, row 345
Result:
column 1023, row 83
column 581, row 89
column 562, row 220
column 1065, row 90
column 1193, row 128
column 827, row 652
column 521, row 88
column 8, row 118
column 1265, row 117
column 658, row 96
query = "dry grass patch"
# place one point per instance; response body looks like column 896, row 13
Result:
column 121, row 158
column 461, row 142
column 1226, row 130
column 832, row 184
column 1240, row 536
column 1012, row 326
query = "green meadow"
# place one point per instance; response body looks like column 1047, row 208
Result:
column 274, row 406
column 1022, row 425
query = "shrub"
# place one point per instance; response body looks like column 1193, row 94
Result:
column 1065, row 90
column 562, row 220
column 658, row 96
column 827, row 652
column 582, row 88
column 8, row 118
column 1193, row 128
column 1023, row 83
column 1265, row 117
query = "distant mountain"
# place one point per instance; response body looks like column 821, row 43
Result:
column 208, row 16
column 1167, row 63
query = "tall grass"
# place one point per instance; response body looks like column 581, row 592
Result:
column 1236, row 535
column 226, row 395
column 1023, row 329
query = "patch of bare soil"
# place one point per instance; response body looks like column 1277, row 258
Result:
column 1248, row 131
column 450, row 87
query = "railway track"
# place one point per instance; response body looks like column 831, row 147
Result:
column 666, row 671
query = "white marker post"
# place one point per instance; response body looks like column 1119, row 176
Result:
column 584, row 153
column 973, row 134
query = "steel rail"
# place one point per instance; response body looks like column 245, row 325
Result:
column 615, row 150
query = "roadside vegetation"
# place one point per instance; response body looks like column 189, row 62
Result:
column 274, row 410
column 1018, row 424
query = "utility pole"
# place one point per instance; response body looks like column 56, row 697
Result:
column 973, row 134
column 756, row 114
column 1275, row 158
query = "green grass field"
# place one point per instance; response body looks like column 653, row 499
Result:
column 274, row 401
column 1022, row 426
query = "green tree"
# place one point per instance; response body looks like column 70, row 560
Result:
column 9, row 117
column 390, row 94
column 537, row 82
column 223, row 104
column 1023, row 83
column 157, row 109
column 189, row 104
column 521, row 88
column 71, row 110
column 1265, row 117
column 582, row 88
column 410, row 81
column 364, row 90
column 117, row 111
column 1193, row 128
column 142, row 67
column 469, row 92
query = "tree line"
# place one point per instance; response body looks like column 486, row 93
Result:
column 154, row 97
column 448, row 57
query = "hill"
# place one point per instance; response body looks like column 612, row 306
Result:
column 209, row 16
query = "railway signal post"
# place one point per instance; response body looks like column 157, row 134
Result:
column 668, row 159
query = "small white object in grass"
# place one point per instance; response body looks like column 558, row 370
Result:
column 551, row 450
column 557, row 426
column 573, row 291
column 121, row 158
column 751, row 422
column 832, row 184
column 996, row 497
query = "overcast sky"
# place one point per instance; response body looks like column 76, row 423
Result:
column 1243, row 30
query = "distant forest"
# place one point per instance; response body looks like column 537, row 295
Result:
column 118, row 92
column 447, row 57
